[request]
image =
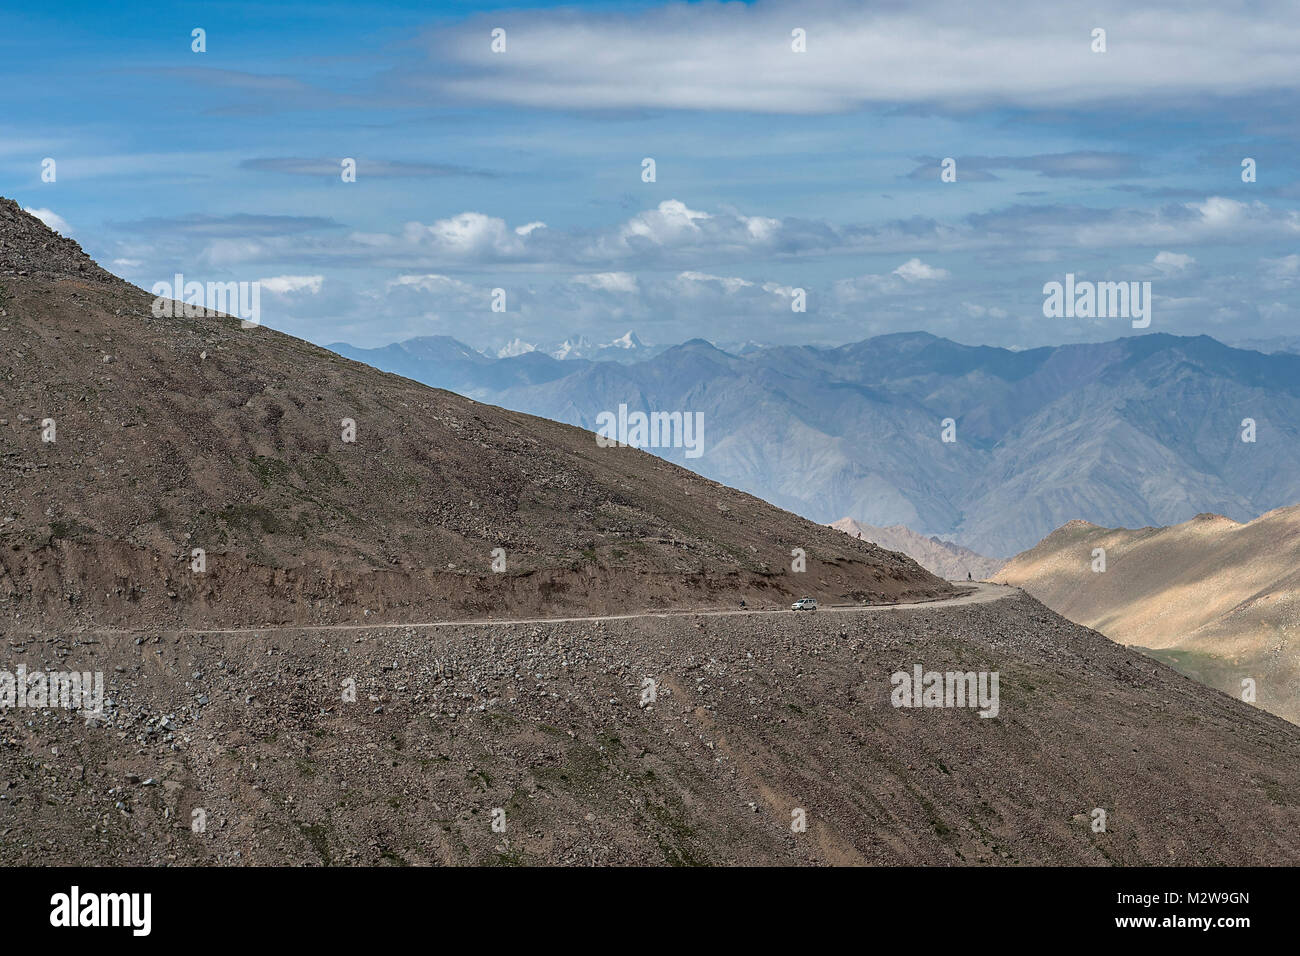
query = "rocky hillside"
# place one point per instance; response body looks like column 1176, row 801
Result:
column 177, row 435
column 753, row 719
column 1215, row 599
column 948, row 560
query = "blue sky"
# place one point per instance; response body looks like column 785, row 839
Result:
column 775, row 169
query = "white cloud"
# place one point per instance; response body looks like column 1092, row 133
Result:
column 984, row 312
column 914, row 270
column 470, row 235
column 51, row 219
column 666, row 224
column 729, row 284
column 1172, row 262
column 729, row 56
column 609, row 281
column 431, row 284
column 1283, row 268
column 284, row 285
column 675, row 236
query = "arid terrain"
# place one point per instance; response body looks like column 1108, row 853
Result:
column 1217, row 600
column 756, row 716
column 348, row 682
column 173, row 434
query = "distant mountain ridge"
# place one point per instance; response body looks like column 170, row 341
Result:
column 1211, row 597
column 943, row 558
column 1144, row 430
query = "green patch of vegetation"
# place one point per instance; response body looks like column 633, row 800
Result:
column 321, row 470
column 388, row 856
column 675, row 842
column 69, row 528
column 581, row 770
column 1275, row 791
column 511, row 857
column 268, row 470
column 318, row 836
column 245, row 516
column 1207, row 669
column 499, row 720
column 305, row 768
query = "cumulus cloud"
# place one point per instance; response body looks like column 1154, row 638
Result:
column 51, row 218
column 677, row 237
column 914, row 270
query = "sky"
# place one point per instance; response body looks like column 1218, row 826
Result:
column 776, row 169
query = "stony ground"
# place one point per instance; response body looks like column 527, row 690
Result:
column 756, row 717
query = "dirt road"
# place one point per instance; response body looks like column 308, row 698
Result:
column 980, row 593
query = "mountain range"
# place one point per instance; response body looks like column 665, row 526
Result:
column 1143, row 430
column 1213, row 598
column 940, row 557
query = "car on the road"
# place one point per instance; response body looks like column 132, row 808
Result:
column 804, row 604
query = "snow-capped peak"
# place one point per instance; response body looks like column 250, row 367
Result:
column 517, row 346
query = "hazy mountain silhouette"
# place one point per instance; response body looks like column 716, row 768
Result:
column 1143, row 430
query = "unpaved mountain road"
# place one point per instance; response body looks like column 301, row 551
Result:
column 980, row 593
column 401, row 744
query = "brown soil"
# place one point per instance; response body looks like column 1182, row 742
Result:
column 176, row 434
column 756, row 716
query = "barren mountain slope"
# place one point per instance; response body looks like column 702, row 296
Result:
column 756, row 716
column 1218, row 600
column 175, row 434
column 948, row 560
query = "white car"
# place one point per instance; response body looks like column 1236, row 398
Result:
column 804, row 604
